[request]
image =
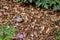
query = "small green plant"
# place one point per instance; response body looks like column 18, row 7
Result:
column 55, row 4
column 7, row 32
column 58, row 35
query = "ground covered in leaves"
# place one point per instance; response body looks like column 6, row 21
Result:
column 35, row 23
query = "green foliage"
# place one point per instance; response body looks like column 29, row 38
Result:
column 56, row 7
column 58, row 35
column 21, row 0
column 44, row 3
column 6, row 32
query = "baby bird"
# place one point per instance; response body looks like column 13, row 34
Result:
column 18, row 19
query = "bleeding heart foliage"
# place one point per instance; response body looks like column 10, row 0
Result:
column 55, row 4
column 7, row 32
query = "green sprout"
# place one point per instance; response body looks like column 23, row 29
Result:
column 58, row 35
column 7, row 32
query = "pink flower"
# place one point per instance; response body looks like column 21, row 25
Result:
column 21, row 36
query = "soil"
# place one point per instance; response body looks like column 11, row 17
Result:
column 36, row 24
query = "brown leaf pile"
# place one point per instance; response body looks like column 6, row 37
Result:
column 38, row 24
